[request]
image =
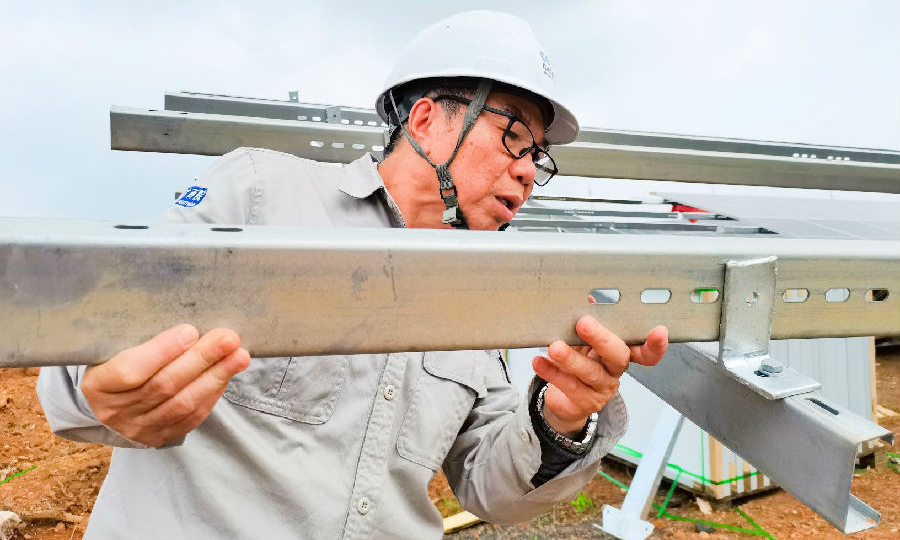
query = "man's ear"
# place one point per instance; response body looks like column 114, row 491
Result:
column 424, row 121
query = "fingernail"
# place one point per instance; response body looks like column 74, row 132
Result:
column 187, row 335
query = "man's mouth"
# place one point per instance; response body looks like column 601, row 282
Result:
column 511, row 203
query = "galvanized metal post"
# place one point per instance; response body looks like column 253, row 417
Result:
column 628, row 522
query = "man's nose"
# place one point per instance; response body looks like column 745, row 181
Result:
column 523, row 170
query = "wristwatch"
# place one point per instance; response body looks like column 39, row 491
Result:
column 579, row 446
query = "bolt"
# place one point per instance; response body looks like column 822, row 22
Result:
column 771, row 368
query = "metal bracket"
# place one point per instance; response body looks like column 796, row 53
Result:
column 748, row 305
column 810, row 444
column 628, row 522
column 333, row 115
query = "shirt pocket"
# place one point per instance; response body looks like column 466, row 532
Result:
column 446, row 389
column 305, row 389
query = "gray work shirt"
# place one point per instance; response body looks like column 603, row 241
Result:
column 324, row 447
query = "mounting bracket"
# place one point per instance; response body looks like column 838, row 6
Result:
column 745, row 327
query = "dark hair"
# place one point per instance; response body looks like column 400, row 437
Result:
column 451, row 109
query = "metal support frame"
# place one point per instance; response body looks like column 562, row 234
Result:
column 628, row 523
column 808, row 446
column 108, row 288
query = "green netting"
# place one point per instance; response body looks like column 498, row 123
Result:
column 20, row 473
column 680, row 471
column 757, row 530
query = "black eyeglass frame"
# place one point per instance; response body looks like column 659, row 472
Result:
column 534, row 149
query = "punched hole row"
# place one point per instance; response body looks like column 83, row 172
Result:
column 355, row 146
column 813, row 156
column 345, row 121
column 708, row 295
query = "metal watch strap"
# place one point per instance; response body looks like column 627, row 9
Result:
column 576, row 447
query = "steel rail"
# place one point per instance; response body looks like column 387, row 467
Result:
column 214, row 134
column 270, row 108
column 77, row 292
column 293, row 110
column 148, row 130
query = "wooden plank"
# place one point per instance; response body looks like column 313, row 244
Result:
column 719, row 491
column 748, row 486
column 460, row 521
column 872, row 384
column 732, row 473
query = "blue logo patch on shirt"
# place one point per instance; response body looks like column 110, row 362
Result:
column 192, row 197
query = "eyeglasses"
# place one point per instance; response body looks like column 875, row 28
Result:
column 518, row 141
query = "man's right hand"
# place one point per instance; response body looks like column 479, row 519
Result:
column 162, row 389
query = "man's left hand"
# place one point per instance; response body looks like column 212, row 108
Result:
column 583, row 379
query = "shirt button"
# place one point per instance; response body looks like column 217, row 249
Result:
column 389, row 392
column 363, row 505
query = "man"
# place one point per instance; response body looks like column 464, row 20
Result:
column 341, row 446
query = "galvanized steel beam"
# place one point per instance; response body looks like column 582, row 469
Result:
column 293, row 110
column 270, row 108
column 648, row 163
column 77, row 292
column 215, row 134
column 148, row 130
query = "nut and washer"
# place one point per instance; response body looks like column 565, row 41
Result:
column 771, row 368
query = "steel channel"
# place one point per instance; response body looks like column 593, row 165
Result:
column 805, row 448
column 212, row 134
column 77, row 292
column 648, row 163
column 147, row 130
column 263, row 108
column 564, row 212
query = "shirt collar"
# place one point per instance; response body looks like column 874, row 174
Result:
column 361, row 178
column 361, row 181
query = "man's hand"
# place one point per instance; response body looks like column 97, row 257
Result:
column 162, row 389
column 583, row 379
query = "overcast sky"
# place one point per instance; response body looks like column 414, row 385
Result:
column 812, row 71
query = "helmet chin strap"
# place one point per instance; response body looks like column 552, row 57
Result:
column 453, row 214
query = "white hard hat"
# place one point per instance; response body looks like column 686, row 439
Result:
column 486, row 45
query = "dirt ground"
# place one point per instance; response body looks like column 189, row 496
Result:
column 56, row 491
